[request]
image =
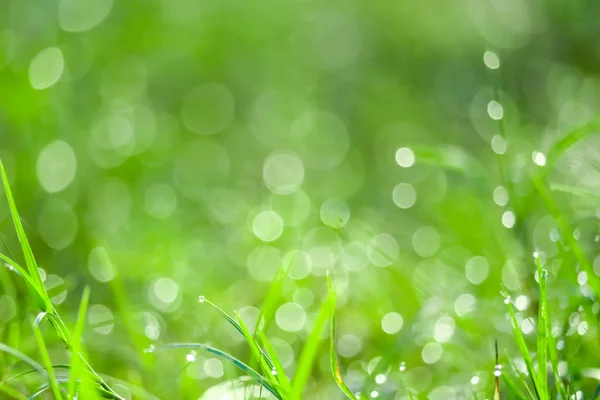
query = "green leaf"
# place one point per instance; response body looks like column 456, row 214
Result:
column 522, row 346
column 239, row 364
column 542, row 339
column 309, row 353
column 46, row 359
column 335, row 368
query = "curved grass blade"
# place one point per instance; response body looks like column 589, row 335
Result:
column 566, row 232
column 29, row 361
column 522, row 347
column 46, row 359
column 11, row 392
column 30, row 262
column 264, row 361
column 542, row 334
column 239, row 328
column 563, row 144
column 267, row 311
column 574, row 190
column 76, row 370
column 239, row 364
column 309, row 352
column 335, row 367
column 281, row 376
column 512, row 388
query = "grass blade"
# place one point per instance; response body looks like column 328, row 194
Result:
column 267, row 311
column 237, row 326
column 264, row 361
column 239, row 364
column 542, row 339
column 560, row 146
column 522, row 346
column 281, row 376
column 512, row 388
column 305, row 363
column 335, row 367
column 46, row 359
column 76, row 365
column 30, row 262
column 566, row 232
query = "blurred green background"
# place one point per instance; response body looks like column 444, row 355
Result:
column 200, row 144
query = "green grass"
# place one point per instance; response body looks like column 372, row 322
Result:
column 269, row 374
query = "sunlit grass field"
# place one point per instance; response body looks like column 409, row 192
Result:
column 299, row 200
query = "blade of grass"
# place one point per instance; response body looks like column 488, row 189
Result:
column 566, row 232
column 577, row 191
column 512, row 388
column 267, row 311
column 305, row 363
column 237, row 326
column 30, row 262
column 522, row 379
column 22, row 357
column 75, row 370
column 333, row 359
column 542, row 339
column 264, row 361
column 522, row 346
column 560, row 146
column 239, row 364
column 11, row 392
column 46, row 359
column 281, row 376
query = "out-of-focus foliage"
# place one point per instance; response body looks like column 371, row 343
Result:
column 162, row 150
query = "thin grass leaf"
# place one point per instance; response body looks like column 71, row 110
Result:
column 577, row 191
column 267, row 311
column 75, row 370
column 46, row 359
column 542, row 334
column 31, row 285
column 11, row 392
column 281, row 375
column 237, row 326
column 496, row 373
column 307, row 357
column 333, row 359
column 22, row 357
column 567, row 141
column 512, row 388
column 522, row 379
column 30, row 262
column 566, row 232
column 264, row 361
column 523, row 347
column 239, row 364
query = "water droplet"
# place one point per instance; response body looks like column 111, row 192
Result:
column 402, row 366
column 545, row 273
column 150, row 349
column 507, row 300
column 474, row 380
column 495, row 110
column 491, row 60
column 374, row 394
column 273, row 372
column 498, row 370
column 538, row 158
column 380, row 379
column 191, row 356
column 536, row 254
column 201, row 299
